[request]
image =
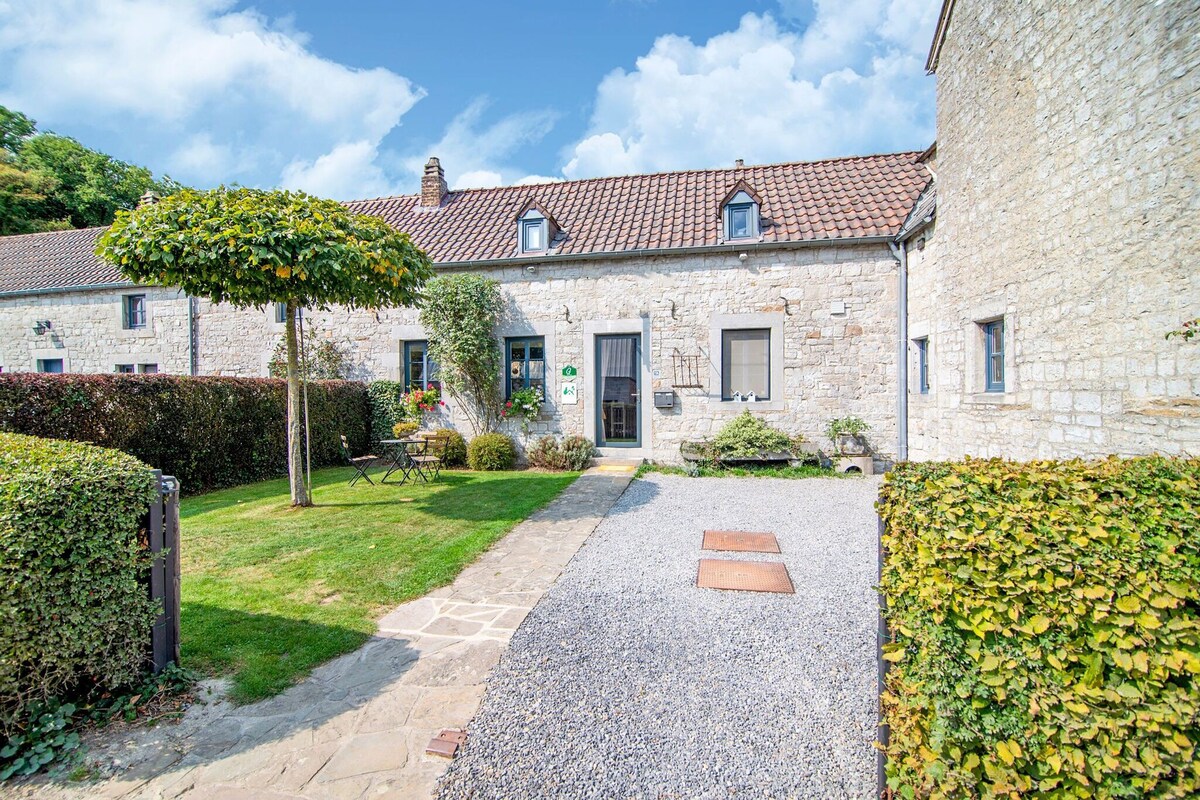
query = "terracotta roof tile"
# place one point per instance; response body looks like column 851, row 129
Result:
column 802, row 201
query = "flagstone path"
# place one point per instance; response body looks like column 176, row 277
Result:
column 358, row 726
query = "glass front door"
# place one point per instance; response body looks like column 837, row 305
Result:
column 619, row 400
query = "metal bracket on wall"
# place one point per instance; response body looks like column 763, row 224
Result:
column 685, row 371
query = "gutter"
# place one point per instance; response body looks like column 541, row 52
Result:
column 649, row 252
column 95, row 287
column 193, row 339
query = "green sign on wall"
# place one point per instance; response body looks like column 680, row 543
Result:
column 568, row 371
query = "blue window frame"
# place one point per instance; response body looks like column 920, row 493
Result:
column 281, row 312
column 420, row 371
column 125, row 369
column 922, row 364
column 135, row 310
column 533, row 235
column 52, row 365
column 526, row 359
column 993, row 348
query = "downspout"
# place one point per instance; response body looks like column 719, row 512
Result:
column 900, row 253
column 192, row 338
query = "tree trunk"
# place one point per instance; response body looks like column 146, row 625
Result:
column 295, row 443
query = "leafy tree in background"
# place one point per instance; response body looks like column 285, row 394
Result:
column 52, row 182
column 460, row 313
column 249, row 247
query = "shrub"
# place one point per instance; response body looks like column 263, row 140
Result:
column 545, row 454
column 75, row 617
column 403, row 429
column 1046, row 626
column 573, row 453
column 577, row 453
column 745, row 436
column 492, row 451
column 386, row 402
column 456, row 448
column 208, row 432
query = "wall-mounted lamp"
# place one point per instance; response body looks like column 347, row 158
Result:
column 743, row 256
column 672, row 309
column 786, row 308
column 567, row 313
column 531, row 268
column 41, row 326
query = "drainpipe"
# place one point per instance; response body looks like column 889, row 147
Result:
column 900, row 253
column 192, row 343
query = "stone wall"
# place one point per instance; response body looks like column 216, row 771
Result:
column 1068, row 183
column 826, row 362
column 87, row 331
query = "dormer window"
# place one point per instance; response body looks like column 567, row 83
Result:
column 536, row 229
column 741, row 217
column 533, row 234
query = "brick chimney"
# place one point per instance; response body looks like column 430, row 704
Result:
column 433, row 184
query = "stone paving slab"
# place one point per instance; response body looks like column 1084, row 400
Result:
column 358, row 726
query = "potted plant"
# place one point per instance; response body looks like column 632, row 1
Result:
column 846, row 435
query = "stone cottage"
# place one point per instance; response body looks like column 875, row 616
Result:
column 648, row 309
column 1005, row 293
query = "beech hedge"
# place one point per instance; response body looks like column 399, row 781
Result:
column 75, row 615
column 1045, row 620
column 209, row 432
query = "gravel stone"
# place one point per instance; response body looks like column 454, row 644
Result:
column 626, row 681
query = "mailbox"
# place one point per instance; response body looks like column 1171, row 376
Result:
column 664, row 399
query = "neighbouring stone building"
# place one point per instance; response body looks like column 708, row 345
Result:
column 1067, row 229
column 1022, row 273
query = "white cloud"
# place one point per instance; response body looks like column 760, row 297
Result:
column 475, row 154
column 851, row 82
column 349, row 171
column 241, row 93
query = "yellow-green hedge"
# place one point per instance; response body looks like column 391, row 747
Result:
column 1046, row 628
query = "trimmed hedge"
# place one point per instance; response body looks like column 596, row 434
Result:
column 74, row 611
column 208, row 432
column 1046, row 624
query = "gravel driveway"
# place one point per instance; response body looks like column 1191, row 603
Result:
column 626, row 681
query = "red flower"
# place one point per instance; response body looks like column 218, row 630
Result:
column 508, row 404
column 441, row 402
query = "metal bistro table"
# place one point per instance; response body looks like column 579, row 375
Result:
column 400, row 453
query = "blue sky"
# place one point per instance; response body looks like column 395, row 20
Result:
column 348, row 99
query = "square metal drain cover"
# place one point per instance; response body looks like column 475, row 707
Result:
column 742, row 541
column 746, row 576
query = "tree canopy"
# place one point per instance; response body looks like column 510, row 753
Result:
column 250, row 247
column 52, row 182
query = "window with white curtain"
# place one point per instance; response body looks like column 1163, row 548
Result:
column 746, row 364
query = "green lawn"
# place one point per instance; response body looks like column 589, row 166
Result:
column 269, row 591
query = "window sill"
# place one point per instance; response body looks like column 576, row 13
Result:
column 992, row 398
column 745, row 405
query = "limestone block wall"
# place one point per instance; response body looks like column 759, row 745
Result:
column 87, row 331
column 828, row 363
column 1068, row 202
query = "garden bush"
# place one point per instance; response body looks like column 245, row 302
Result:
column 75, row 616
column 492, row 451
column 208, row 432
column 456, row 448
column 1046, row 628
column 573, row 453
column 746, row 436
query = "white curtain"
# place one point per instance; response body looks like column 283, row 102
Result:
column 747, row 366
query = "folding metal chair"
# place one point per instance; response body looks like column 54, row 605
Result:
column 360, row 463
column 428, row 464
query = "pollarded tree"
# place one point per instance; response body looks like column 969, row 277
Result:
column 249, row 247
